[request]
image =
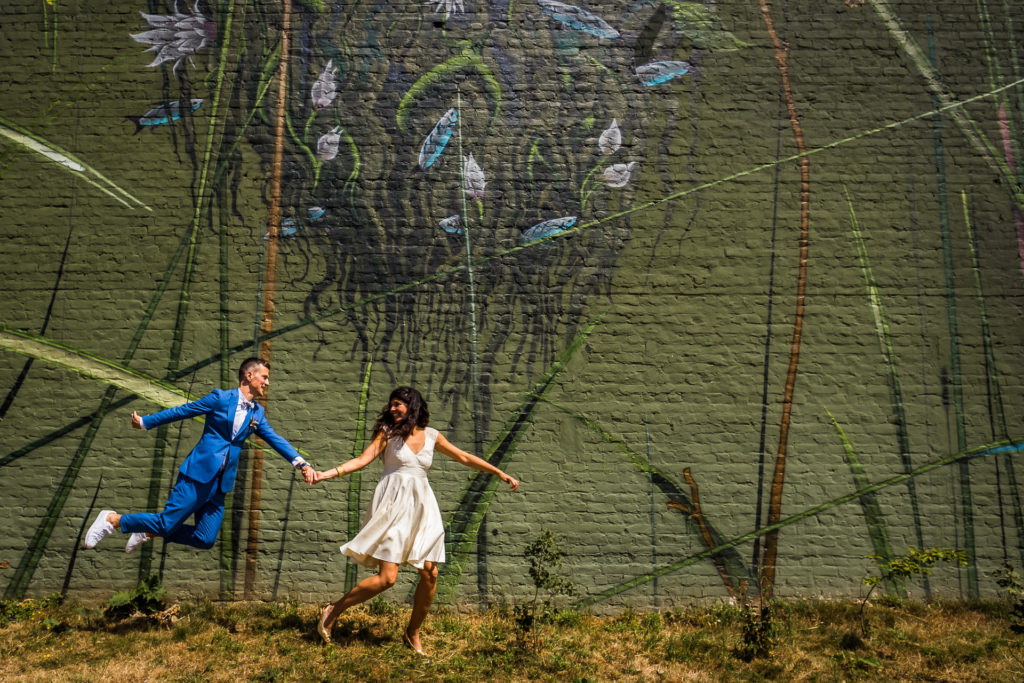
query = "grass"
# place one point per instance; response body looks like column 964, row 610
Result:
column 45, row 640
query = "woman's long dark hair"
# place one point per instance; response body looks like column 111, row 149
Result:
column 416, row 415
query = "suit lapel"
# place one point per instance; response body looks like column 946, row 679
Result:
column 232, row 408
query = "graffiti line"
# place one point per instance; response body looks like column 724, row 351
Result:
column 442, row 274
column 621, row 214
column 68, row 161
column 999, row 448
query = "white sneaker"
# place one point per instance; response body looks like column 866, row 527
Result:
column 135, row 540
column 99, row 529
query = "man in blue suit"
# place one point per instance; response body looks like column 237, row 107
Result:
column 208, row 472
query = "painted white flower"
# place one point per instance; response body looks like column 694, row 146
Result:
column 611, row 139
column 176, row 36
column 327, row 145
column 618, row 175
column 447, row 5
column 473, row 181
column 323, row 90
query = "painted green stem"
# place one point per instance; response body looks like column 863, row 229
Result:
column 996, row 411
column 736, row 574
column 895, row 387
column 940, row 93
column 70, row 163
column 474, row 339
column 988, row 450
column 464, row 523
column 873, row 516
column 966, row 501
column 446, row 273
column 355, row 480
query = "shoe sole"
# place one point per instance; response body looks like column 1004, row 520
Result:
column 130, row 548
column 96, row 528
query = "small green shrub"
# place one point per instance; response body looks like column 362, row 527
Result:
column 378, row 606
column 1009, row 580
column 545, row 557
column 916, row 562
column 147, row 598
column 758, row 630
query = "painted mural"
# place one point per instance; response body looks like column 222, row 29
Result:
column 735, row 289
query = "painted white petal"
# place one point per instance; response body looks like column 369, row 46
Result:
column 611, row 139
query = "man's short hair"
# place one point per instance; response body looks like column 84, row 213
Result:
column 250, row 364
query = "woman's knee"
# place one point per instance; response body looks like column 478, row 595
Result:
column 388, row 575
column 429, row 573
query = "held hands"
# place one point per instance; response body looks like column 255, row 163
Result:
column 323, row 476
column 309, row 474
column 328, row 474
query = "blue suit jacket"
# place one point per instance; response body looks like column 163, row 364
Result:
column 216, row 444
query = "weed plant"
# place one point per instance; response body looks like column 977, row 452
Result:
column 47, row 640
column 545, row 558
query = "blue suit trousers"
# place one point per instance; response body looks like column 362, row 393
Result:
column 189, row 497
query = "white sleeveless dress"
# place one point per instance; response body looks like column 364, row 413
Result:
column 403, row 524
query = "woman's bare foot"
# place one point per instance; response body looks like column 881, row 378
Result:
column 413, row 642
column 321, row 625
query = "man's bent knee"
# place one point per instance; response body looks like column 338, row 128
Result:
column 205, row 543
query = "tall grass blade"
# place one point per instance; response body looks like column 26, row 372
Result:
column 869, row 506
column 474, row 341
column 766, row 581
column 269, row 292
column 966, row 502
column 90, row 365
column 987, row 450
column 941, row 94
column 70, row 163
column 464, row 523
column 355, row 480
column 735, row 574
column 889, row 356
column 997, row 414
column 78, row 539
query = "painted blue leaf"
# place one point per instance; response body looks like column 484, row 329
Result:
column 435, row 143
column 316, row 212
column 548, row 227
column 289, row 228
column 452, row 225
column 165, row 113
column 578, row 18
column 654, row 73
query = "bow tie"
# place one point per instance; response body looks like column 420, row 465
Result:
column 247, row 405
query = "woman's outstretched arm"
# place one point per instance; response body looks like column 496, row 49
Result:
column 469, row 460
column 357, row 463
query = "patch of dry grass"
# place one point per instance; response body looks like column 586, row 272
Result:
column 814, row 641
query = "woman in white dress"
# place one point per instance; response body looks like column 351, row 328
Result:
column 403, row 524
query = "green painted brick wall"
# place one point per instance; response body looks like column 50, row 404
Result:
column 637, row 356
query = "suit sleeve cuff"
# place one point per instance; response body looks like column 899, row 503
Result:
column 299, row 463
